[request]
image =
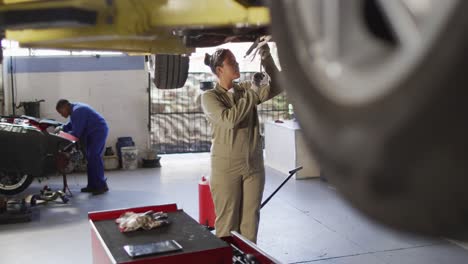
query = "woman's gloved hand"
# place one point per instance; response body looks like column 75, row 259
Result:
column 257, row 78
column 260, row 78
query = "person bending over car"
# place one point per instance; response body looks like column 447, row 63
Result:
column 89, row 126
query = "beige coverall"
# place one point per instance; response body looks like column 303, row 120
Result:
column 237, row 170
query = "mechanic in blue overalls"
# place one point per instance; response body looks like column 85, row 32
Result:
column 89, row 126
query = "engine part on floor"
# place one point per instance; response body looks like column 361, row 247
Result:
column 48, row 195
column 14, row 211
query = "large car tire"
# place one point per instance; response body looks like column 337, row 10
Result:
column 171, row 71
column 400, row 157
column 11, row 184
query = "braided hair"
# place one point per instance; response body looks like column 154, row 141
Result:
column 216, row 59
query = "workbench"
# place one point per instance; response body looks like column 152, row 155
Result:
column 199, row 245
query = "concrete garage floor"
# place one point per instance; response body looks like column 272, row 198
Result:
column 306, row 222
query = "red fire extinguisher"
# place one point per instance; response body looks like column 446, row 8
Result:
column 207, row 213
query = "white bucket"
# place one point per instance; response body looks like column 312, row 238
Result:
column 129, row 158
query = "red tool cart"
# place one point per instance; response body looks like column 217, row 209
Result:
column 198, row 244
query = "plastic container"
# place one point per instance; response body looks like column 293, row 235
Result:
column 207, row 215
column 129, row 158
column 123, row 142
column 150, row 159
column 151, row 163
column 111, row 162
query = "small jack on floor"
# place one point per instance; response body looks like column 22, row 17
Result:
column 48, row 195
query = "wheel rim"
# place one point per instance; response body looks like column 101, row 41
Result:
column 356, row 51
column 12, row 181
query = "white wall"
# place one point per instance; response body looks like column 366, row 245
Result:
column 119, row 95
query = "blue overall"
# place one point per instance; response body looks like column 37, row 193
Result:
column 89, row 126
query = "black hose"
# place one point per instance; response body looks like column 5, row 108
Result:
column 291, row 173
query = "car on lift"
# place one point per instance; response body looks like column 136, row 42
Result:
column 377, row 85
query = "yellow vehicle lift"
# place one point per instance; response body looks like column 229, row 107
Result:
column 148, row 26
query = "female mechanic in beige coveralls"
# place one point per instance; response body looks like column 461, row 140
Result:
column 237, row 170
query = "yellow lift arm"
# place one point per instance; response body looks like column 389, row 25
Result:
column 148, row 26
